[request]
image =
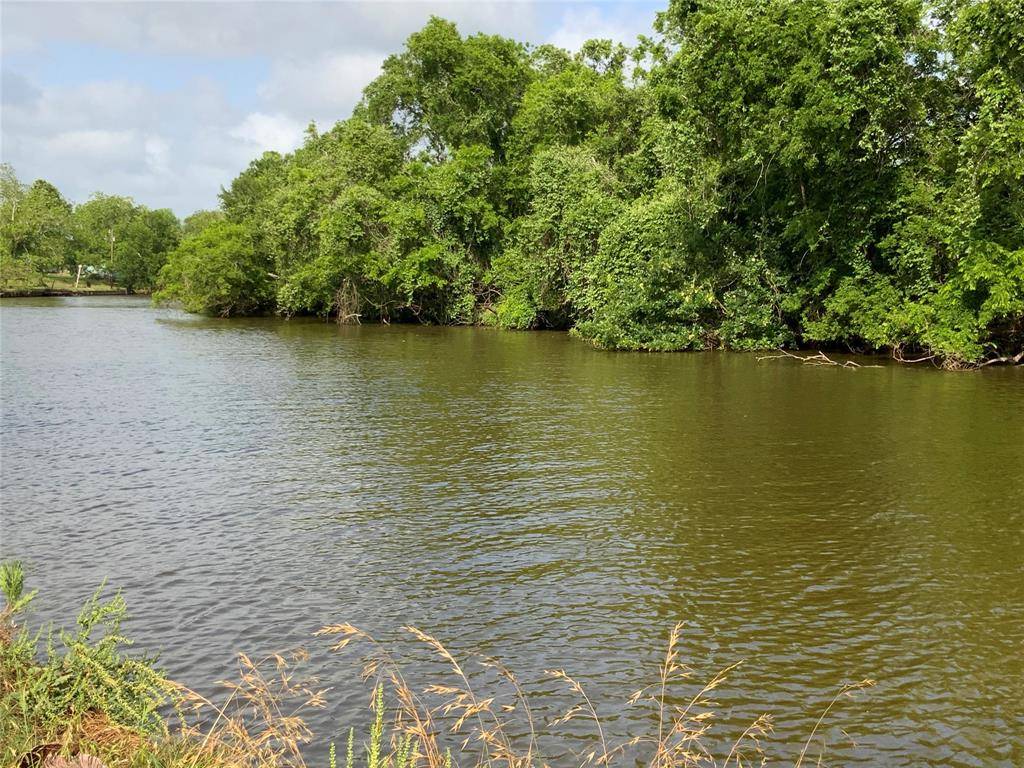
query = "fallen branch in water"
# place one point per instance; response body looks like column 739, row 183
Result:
column 819, row 358
column 897, row 355
column 1017, row 359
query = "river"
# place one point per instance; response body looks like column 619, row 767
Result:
column 522, row 494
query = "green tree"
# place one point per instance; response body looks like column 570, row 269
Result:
column 758, row 173
column 245, row 199
column 35, row 228
column 450, row 91
column 100, row 226
column 12, row 196
column 196, row 222
column 146, row 242
column 543, row 272
column 217, row 271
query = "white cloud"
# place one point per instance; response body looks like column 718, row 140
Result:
column 264, row 132
column 227, row 29
column 163, row 148
column 158, row 154
column 620, row 23
column 324, row 88
column 98, row 144
column 257, row 73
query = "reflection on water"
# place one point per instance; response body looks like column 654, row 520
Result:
column 523, row 494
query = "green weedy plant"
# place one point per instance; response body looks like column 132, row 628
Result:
column 404, row 752
column 332, row 754
column 76, row 690
column 87, row 700
column 12, row 585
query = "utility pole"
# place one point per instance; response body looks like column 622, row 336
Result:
column 110, row 263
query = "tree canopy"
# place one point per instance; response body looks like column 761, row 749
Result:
column 753, row 174
column 217, row 271
column 41, row 233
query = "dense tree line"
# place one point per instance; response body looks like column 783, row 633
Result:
column 756, row 173
column 42, row 234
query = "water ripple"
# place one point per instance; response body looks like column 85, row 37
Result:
column 522, row 494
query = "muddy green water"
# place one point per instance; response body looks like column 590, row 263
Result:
column 524, row 495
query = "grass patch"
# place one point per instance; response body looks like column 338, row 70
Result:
column 34, row 281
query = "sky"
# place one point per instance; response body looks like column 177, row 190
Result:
column 167, row 101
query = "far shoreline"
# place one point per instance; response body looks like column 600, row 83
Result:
column 36, row 293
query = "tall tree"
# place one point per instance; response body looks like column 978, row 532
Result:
column 35, row 227
column 449, row 91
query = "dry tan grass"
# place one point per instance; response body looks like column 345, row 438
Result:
column 478, row 716
column 488, row 729
column 258, row 721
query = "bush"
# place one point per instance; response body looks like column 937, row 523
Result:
column 217, row 272
column 63, row 691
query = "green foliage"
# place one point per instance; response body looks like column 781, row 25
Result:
column 129, row 241
column 101, row 224
column 754, row 308
column 148, row 240
column 17, row 272
column 451, row 91
column 196, row 222
column 647, row 290
column 404, row 747
column 41, row 233
column 759, row 173
column 543, row 273
column 218, row 272
column 373, row 749
column 584, row 97
column 54, row 684
column 12, row 586
column 35, row 228
column 245, row 199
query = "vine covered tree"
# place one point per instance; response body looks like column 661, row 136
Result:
column 754, row 174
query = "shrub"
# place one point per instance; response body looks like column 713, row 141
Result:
column 217, row 272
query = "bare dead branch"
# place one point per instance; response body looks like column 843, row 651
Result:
column 819, row 358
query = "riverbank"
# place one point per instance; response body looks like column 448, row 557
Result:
column 63, row 285
column 810, row 355
column 38, row 293
column 77, row 699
